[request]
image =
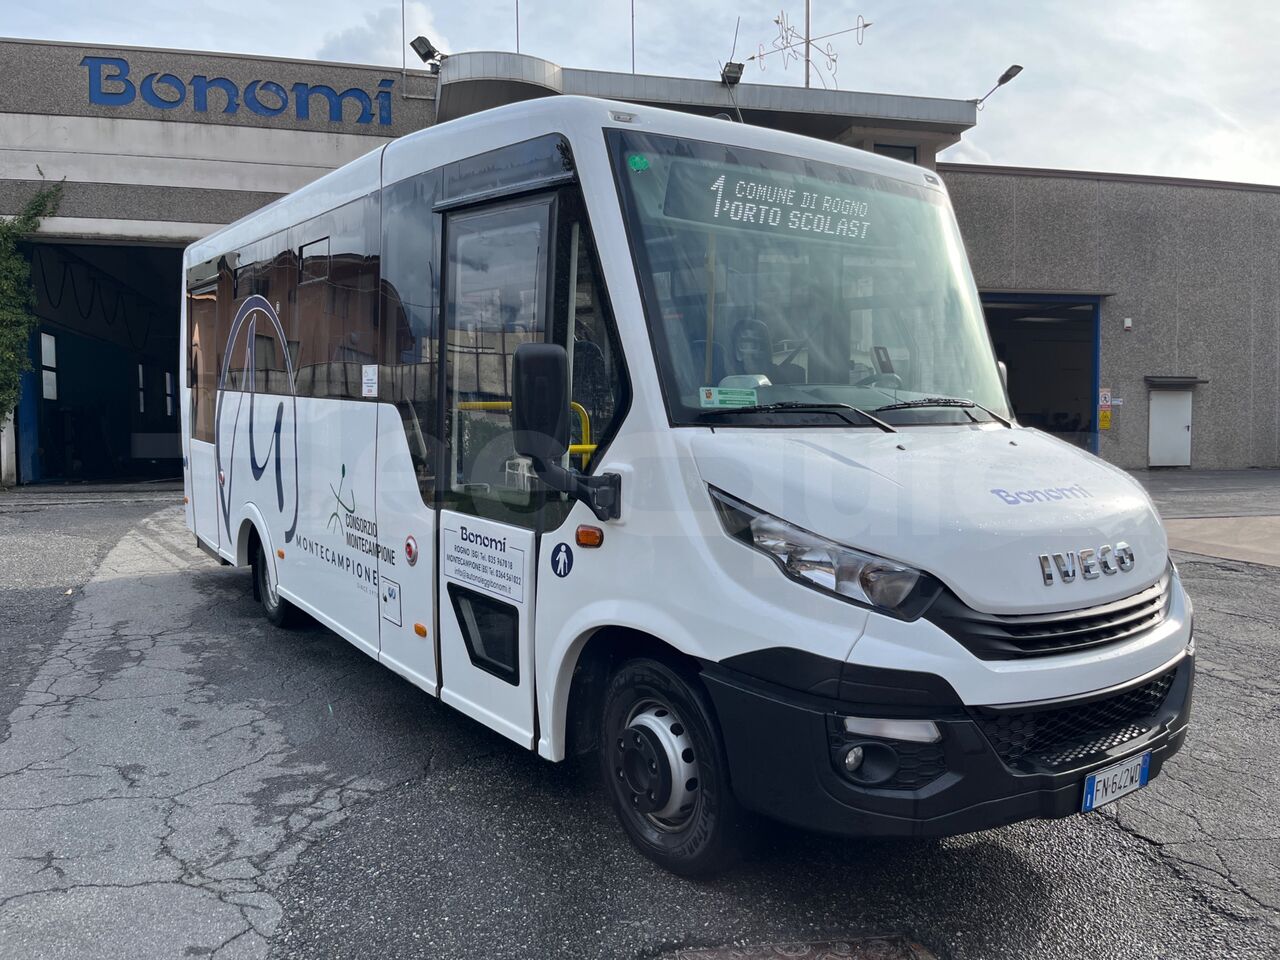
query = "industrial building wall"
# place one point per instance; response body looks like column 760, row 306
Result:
column 165, row 145
column 1194, row 265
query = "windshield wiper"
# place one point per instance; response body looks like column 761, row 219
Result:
column 803, row 405
column 942, row 402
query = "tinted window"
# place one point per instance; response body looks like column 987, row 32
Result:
column 202, row 357
column 337, row 299
column 410, row 309
column 542, row 159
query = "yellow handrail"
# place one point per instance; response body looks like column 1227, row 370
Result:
column 585, row 449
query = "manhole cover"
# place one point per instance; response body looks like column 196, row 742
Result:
column 855, row 948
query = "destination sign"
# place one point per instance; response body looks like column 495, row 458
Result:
column 771, row 203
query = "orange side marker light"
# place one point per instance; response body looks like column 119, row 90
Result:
column 420, row 629
column 280, row 554
column 589, row 536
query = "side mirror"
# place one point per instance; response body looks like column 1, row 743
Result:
column 540, row 401
column 540, row 428
column 1004, row 375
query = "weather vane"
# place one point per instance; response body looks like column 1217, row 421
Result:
column 794, row 45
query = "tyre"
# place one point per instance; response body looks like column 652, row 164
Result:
column 663, row 762
column 277, row 609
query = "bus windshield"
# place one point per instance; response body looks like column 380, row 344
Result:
column 779, row 282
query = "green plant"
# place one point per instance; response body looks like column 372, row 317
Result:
column 17, row 298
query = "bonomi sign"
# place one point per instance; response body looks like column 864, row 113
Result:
column 111, row 84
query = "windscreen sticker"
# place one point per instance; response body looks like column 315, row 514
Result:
column 726, row 397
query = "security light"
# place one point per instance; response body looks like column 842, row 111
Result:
column 1005, row 77
column 1009, row 74
column 425, row 49
column 730, row 74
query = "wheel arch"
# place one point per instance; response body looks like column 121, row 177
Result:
column 251, row 526
column 594, row 655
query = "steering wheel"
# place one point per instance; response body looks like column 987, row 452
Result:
column 880, row 380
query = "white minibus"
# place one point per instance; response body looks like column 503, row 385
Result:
column 682, row 442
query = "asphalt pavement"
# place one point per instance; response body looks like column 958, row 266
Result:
column 178, row 778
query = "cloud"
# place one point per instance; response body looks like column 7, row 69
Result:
column 378, row 39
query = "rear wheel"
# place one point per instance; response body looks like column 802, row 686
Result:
column 277, row 609
column 663, row 761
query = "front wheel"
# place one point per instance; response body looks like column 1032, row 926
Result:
column 277, row 609
column 663, row 761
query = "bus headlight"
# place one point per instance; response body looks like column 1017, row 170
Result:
column 828, row 566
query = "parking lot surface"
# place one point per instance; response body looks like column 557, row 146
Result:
column 178, row 778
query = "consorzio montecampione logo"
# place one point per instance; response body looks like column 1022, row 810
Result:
column 358, row 533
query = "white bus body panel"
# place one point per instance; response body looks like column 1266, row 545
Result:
column 406, row 593
column 496, row 560
column 325, row 573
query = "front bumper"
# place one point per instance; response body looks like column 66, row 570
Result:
column 784, row 748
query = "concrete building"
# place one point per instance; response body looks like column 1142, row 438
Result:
column 1128, row 309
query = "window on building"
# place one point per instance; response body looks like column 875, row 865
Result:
column 48, row 366
column 898, row 151
column 142, row 390
column 170, row 397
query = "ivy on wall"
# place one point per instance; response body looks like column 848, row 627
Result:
column 17, row 298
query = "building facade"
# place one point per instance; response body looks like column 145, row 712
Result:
column 1138, row 317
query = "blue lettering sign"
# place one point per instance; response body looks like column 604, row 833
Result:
column 267, row 86
column 200, row 87
column 111, row 86
column 168, row 79
column 98, row 92
column 303, row 92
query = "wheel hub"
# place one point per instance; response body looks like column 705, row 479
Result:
column 656, row 765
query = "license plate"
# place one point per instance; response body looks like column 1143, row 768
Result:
column 1114, row 782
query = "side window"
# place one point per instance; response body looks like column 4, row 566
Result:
column 274, row 356
column 257, row 360
column 410, row 297
column 202, row 359
column 496, row 280
column 337, row 299
column 584, row 326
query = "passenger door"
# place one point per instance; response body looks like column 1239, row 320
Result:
column 496, row 296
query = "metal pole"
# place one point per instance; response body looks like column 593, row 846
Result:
column 807, row 11
column 517, row 26
column 633, row 36
column 404, row 42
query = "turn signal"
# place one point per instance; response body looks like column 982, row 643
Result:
column 589, row 536
column 420, row 629
column 280, row 554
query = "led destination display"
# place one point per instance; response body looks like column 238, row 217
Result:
column 770, row 202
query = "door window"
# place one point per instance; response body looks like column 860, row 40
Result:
column 496, row 293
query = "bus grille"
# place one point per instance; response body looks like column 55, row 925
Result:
column 992, row 636
column 1061, row 736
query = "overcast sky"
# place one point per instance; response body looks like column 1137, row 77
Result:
column 1174, row 87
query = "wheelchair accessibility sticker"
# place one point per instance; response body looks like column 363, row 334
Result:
column 561, row 560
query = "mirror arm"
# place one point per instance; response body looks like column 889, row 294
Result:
column 601, row 493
